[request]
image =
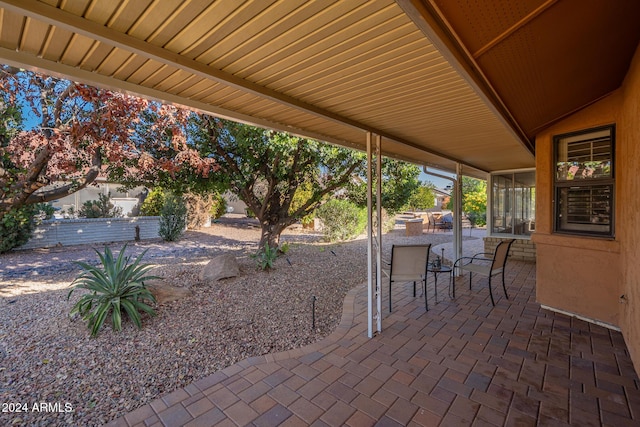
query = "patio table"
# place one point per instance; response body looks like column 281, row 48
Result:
column 438, row 270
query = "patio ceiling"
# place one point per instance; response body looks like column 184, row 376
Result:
column 412, row 71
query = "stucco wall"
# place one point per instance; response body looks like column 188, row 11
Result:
column 629, row 208
column 596, row 278
column 580, row 275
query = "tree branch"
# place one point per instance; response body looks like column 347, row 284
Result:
column 244, row 193
column 23, row 188
column 317, row 197
column 65, row 190
column 57, row 109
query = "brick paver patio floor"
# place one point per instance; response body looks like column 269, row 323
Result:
column 463, row 362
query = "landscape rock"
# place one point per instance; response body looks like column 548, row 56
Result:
column 167, row 293
column 220, row 267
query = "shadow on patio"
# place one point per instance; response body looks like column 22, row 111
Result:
column 461, row 363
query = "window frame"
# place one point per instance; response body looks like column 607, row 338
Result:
column 582, row 184
column 511, row 198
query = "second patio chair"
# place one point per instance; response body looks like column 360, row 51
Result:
column 487, row 264
column 408, row 264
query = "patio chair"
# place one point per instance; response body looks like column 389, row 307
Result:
column 408, row 264
column 434, row 222
column 487, row 264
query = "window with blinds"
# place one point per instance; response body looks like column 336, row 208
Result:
column 584, row 182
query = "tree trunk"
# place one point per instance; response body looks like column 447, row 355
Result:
column 271, row 233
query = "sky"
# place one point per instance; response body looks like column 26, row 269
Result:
column 438, row 182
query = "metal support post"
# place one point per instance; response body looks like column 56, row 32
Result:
column 374, row 240
column 457, row 213
column 379, row 230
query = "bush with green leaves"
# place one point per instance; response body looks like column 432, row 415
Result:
column 115, row 286
column 302, row 195
column 44, row 210
column 101, row 208
column 70, row 212
column 219, row 206
column 342, row 219
column 153, row 203
column 173, row 218
column 422, row 198
column 16, row 227
column 266, row 257
column 284, row 247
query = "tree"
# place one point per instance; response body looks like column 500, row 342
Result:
column 399, row 182
column 81, row 132
column 423, row 198
column 474, row 200
column 474, row 203
column 265, row 168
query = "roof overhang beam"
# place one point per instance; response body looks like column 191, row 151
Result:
column 426, row 17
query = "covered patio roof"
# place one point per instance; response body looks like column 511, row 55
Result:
column 441, row 81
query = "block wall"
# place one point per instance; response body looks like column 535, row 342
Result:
column 68, row 232
column 521, row 249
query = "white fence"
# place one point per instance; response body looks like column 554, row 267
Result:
column 67, row 232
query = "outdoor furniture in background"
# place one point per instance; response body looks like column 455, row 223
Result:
column 413, row 227
column 447, row 220
column 435, row 221
column 486, row 264
column 408, row 264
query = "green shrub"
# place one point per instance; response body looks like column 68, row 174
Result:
column 44, row 210
column 422, row 198
column 342, row 219
column 153, row 203
column 173, row 218
column 101, row 208
column 113, row 287
column 219, row 206
column 71, row 212
column 266, row 257
column 16, row 227
column 301, row 196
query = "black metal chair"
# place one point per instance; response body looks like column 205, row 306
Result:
column 487, row 264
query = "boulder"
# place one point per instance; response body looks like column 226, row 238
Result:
column 220, row 267
column 167, row 293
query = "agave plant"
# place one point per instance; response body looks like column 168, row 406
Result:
column 266, row 257
column 114, row 286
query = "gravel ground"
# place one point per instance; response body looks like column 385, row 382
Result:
column 46, row 356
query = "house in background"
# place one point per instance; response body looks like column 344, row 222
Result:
column 128, row 200
column 442, row 198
